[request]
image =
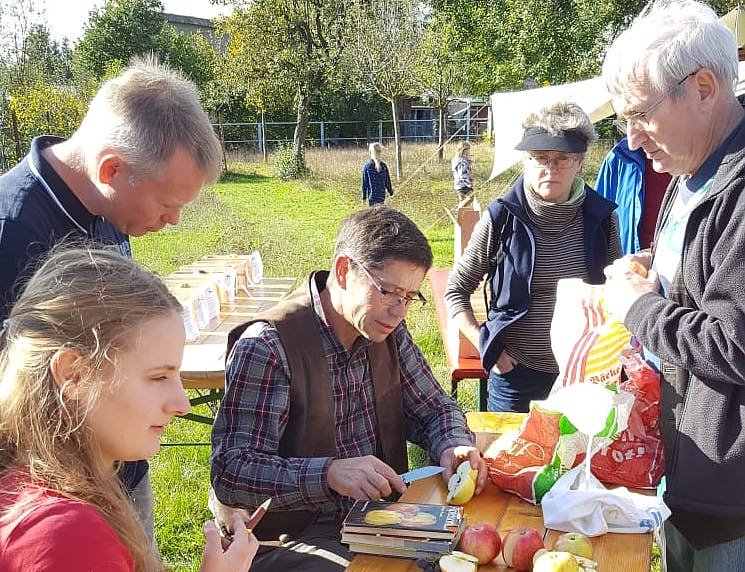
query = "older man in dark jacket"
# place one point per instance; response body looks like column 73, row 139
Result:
column 689, row 310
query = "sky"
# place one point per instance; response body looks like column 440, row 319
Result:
column 65, row 18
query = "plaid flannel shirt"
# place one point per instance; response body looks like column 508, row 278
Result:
column 246, row 466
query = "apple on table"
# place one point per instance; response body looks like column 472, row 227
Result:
column 519, row 545
column 575, row 543
column 482, row 541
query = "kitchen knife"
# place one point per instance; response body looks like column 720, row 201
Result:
column 421, row 473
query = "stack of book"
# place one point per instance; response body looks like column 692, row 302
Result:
column 406, row 530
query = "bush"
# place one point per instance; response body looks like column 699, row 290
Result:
column 287, row 165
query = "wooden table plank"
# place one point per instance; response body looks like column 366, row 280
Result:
column 613, row 552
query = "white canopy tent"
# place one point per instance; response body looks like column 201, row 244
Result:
column 509, row 109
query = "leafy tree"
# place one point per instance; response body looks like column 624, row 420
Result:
column 192, row 54
column 117, row 31
column 383, row 52
column 510, row 43
column 32, row 67
column 284, row 49
column 442, row 71
column 46, row 109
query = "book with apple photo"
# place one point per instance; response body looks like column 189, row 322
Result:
column 404, row 519
column 436, row 545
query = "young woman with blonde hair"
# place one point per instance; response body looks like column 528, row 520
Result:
column 375, row 177
column 89, row 377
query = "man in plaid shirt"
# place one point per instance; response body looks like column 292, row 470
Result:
column 319, row 439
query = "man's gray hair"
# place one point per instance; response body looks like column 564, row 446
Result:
column 560, row 117
column 376, row 235
column 667, row 42
column 146, row 113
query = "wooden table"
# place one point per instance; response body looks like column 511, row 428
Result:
column 613, row 552
column 203, row 366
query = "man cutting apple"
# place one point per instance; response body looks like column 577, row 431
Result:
column 324, row 390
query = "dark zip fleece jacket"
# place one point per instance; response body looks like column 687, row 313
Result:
column 698, row 332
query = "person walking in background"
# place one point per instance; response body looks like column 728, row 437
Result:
column 627, row 178
column 687, row 304
column 89, row 376
column 375, row 177
column 143, row 151
column 550, row 225
column 461, row 165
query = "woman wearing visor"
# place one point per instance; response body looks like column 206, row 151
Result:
column 548, row 226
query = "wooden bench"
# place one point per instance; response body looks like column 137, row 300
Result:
column 463, row 359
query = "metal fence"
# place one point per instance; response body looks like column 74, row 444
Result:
column 249, row 136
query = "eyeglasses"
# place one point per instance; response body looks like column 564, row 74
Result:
column 557, row 161
column 390, row 298
column 640, row 120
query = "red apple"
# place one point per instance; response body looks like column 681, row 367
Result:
column 482, row 541
column 519, row 546
column 575, row 543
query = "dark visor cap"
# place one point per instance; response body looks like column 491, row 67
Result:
column 538, row 139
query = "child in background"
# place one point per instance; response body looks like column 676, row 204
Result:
column 461, row 164
column 89, row 377
column 375, row 177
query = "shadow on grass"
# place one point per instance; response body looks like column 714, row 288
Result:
column 243, row 177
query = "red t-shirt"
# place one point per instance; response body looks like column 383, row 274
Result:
column 655, row 185
column 50, row 533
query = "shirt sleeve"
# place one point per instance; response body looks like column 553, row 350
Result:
column 245, row 463
column 65, row 535
column 471, row 268
column 614, row 239
column 433, row 419
column 365, row 183
column 388, row 180
column 20, row 246
column 606, row 183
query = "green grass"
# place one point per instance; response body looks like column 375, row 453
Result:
column 293, row 225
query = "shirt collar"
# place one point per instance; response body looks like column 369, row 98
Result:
column 317, row 285
column 56, row 185
column 709, row 167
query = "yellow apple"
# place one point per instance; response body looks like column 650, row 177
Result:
column 462, row 484
column 458, row 562
column 554, row 561
column 575, row 543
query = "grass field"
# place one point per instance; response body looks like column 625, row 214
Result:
column 293, row 225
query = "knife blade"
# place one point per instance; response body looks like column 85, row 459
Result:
column 421, row 473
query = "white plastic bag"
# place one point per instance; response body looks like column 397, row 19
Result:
column 578, row 503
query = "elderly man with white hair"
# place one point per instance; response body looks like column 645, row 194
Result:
column 671, row 76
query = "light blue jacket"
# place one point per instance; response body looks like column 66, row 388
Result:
column 621, row 180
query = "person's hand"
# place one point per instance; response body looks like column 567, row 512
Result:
column 625, row 283
column 237, row 557
column 363, row 478
column 638, row 263
column 505, row 363
column 454, row 456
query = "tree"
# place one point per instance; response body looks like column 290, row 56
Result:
column 192, row 54
column 509, row 43
column 442, row 71
column 284, row 48
column 116, row 32
column 383, row 53
column 34, row 73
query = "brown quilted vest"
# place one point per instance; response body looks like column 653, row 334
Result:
column 310, row 430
